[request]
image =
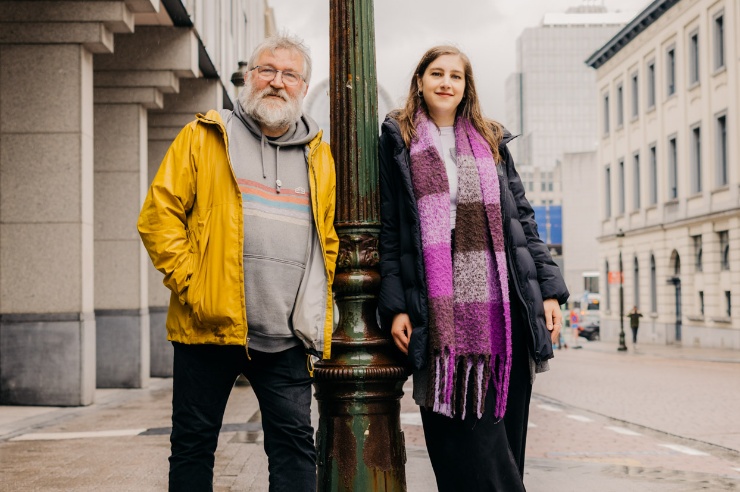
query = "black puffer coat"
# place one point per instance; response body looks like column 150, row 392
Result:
column 534, row 276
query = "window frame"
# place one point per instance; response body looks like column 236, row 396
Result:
column 698, row 253
column 653, row 284
column 670, row 71
column 608, row 191
column 694, row 59
column 620, row 106
column 636, row 184
column 728, row 303
column 621, row 202
column 650, row 97
column 695, row 156
column 653, row 165
column 636, row 286
column 635, row 95
column 719, row 46
column 672, row 162
column 724, row 250
column 722, row 170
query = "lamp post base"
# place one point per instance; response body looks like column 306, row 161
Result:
column 622, row 345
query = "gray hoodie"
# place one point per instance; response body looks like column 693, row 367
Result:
column 273, row 177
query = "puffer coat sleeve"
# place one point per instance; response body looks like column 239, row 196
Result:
column 391, row 298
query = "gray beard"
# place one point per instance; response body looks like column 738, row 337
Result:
column 268, row 114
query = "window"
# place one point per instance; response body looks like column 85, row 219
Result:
column 550, row 181
column 653, row 286
column 620, row 187
column 694, row 58
column 608, row 194
column 620, row 106
column 696, row 160
column 653, row 175
column 719, row 41
column 724, row 250
column 701, row 302
column 608, row 288
column 672, row 169
column 698, row 253
column 606, row 114
column 636, row 182
column 651, row 84
column 722, row 151
column 728, row 304
column 635, row 96
column 670, row 71
column 636, row 290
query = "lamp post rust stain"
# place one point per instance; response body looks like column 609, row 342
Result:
column 360, row 442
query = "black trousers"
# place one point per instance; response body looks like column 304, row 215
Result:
column 203, row 378
column 634, row 334
column 485, row 455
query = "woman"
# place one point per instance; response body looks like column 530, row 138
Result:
column 468, row 290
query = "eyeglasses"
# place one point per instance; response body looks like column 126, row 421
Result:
column 289, row 77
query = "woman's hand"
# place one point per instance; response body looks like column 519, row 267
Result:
column 401, row 331
column 553, row 318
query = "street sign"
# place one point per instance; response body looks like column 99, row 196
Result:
column 616, row 277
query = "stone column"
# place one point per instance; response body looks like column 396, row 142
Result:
column 121, row 297
column 128, row 83
column 47, row 325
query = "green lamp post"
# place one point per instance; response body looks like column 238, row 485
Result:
column 360, row 442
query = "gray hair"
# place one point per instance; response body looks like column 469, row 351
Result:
column 284, row 41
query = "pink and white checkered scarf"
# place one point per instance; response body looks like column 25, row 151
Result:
column 469, row 311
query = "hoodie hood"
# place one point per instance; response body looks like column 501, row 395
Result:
column 300, row 133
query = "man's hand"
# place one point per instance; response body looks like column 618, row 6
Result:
column 553, row 319
column 401, row 331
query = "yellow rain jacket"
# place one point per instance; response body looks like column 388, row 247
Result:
column 192, row 225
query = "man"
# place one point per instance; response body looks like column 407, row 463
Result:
column 239, row 218
column 634, row 317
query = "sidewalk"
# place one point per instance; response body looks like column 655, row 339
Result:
column 665, row 351
column 122, row 443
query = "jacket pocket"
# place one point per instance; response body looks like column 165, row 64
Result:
column 200, row 295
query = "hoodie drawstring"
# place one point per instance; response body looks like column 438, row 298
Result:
column 262, row 152
column 278, row 183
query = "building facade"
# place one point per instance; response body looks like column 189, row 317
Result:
column 669, row 177
column 581, row 225
column 550, row 103
column 91, row 96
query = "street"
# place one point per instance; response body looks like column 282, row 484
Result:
column 661, row 419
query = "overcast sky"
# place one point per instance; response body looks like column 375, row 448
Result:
column 486, row 30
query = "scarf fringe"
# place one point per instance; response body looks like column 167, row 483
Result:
column 449, row 396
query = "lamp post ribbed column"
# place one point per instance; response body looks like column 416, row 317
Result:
column 360, row 442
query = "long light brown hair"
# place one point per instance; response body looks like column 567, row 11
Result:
column 468, row 108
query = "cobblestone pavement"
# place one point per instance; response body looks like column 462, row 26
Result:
column 658, row 420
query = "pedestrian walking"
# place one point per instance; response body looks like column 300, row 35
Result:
column 239, row 218
column 634, row 317
column 468, row 289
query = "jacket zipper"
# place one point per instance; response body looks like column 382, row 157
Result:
column 231, row 168
column 510, row 265
column 319, row 231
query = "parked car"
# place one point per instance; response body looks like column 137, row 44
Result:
column 590, row 331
